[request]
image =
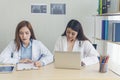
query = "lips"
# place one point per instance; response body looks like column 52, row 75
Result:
column 70, row 38
column 24, row 39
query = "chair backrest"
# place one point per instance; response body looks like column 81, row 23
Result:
column 95, row 46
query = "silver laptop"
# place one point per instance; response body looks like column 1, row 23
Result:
column 6, row 68
column 67, row 60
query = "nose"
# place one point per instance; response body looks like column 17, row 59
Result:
column 70, row 35
column 24, row 35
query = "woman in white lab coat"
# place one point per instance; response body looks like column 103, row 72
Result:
column 73, row 39
column 25, row 48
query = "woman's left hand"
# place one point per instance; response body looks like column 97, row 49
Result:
column 25, row 61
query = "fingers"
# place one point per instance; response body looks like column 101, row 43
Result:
column 25, row 61
column 29, row 61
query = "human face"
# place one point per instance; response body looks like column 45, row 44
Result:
column 71, row 34
column 25, row 34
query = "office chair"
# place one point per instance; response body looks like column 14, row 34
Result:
column 95, row 46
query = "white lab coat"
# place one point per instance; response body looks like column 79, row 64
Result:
column 88, row 52
column 38, row 49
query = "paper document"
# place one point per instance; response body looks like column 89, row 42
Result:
column 26, row 66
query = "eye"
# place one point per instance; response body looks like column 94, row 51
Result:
column 27, row 32
column 21, row 33
column 73, row 34
column 68, row 32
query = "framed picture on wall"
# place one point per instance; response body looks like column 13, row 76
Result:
column 38, row 8
column 57, row 8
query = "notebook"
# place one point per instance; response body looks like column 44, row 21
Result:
column 67, row 60
column 6, row 68
column 26, row 66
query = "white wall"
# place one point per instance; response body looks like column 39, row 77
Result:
column 47, row 27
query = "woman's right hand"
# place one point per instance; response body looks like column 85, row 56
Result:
column 25, row 61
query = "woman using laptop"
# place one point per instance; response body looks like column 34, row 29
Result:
column 25, row 48
column 73, row 39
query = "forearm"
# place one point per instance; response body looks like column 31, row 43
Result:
column 46, row 60
column 90, row 60
column 9, row 61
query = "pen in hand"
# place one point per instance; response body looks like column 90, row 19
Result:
column 37, row 64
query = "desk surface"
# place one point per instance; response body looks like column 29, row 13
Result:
column 50, row 73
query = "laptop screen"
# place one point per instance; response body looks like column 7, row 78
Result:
column 64, row 59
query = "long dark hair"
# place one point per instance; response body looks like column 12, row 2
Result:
column 19, row 26
column 76, row 26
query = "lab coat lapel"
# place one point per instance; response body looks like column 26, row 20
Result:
column 65, row 44
column 76, row 46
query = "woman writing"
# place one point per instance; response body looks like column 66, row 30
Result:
column 25, row 48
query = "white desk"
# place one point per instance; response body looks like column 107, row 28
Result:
column 50, row 73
